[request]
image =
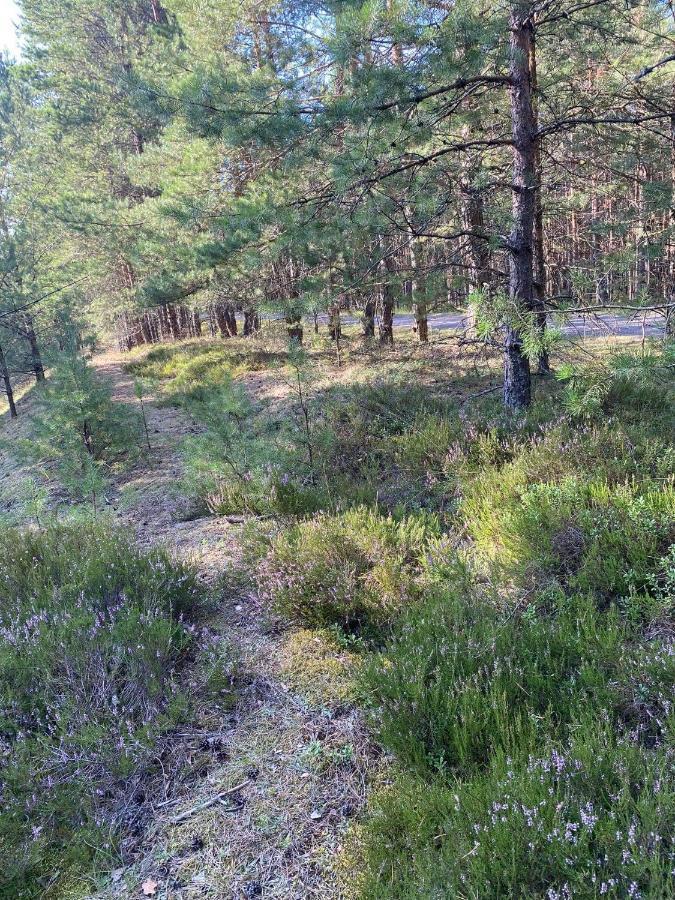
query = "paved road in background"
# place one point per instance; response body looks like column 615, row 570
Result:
column 579, row 326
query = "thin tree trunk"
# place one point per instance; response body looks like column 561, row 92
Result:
column 36, row 358
column 334, row 324
column 417, row 296
column 251, row 323
column 419, row 302
column 294, row 329
column 473, row 220
column 387, row 324
column 4, row 371
column 517, row 378
column 387, row 295
column 369, row 318
column 543, row 362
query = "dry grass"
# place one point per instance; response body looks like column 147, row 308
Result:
column 304, row 767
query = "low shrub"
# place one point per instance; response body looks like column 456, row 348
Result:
column 591, row 818
column 361, row 425
column 463, row 680
column 91, row 632
column 536, row 746
column 584, row 533
column 357, row 569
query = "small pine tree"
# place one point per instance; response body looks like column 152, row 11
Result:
column 80, row 428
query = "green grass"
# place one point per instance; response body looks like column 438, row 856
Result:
column 357, row 569
column 190, row 371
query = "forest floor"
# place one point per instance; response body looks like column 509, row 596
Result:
column 259, row 793
column 297, row 754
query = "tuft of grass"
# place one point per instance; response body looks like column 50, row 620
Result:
column 191, row 371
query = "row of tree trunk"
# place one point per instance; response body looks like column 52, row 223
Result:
column 175, row 322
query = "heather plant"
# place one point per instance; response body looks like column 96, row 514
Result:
column 462, row 679
column 534, row 748
column 91, row 634
column 360, row 423
column 582, row 533
column 357, row 569
column 593, row 817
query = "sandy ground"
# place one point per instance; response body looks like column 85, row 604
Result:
column 300, row 754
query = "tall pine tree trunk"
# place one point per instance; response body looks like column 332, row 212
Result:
column 543, row 362
column 251, row 323
column 473, row 220
column 369, row 318
column 517, row 378
column 387, row 297
column 4, row 372
column 417, row 294
column 387, row 324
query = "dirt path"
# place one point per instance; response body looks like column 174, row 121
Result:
column 293, row 740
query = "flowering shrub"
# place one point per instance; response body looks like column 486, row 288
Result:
column 357, row 569
column 591, row 818
column 538, row 749
column 90, row 634
column 462, row 681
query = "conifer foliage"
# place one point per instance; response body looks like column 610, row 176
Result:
column 167, row 165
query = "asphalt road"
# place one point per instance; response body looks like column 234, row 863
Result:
column 579, row 326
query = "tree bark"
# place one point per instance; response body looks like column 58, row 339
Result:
column 517, row 377
column 417, row 296
column 387, row 324
column 294, row 329
column 36, row 358
column 478, row 251
column 226, row 319
column 251, row 322
column 334, row 324
column 4, row 371
column 387, row 296
column 543, row 362
column 369, row 318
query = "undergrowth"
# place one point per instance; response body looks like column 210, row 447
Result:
column 507, row 584
column 91, row 633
